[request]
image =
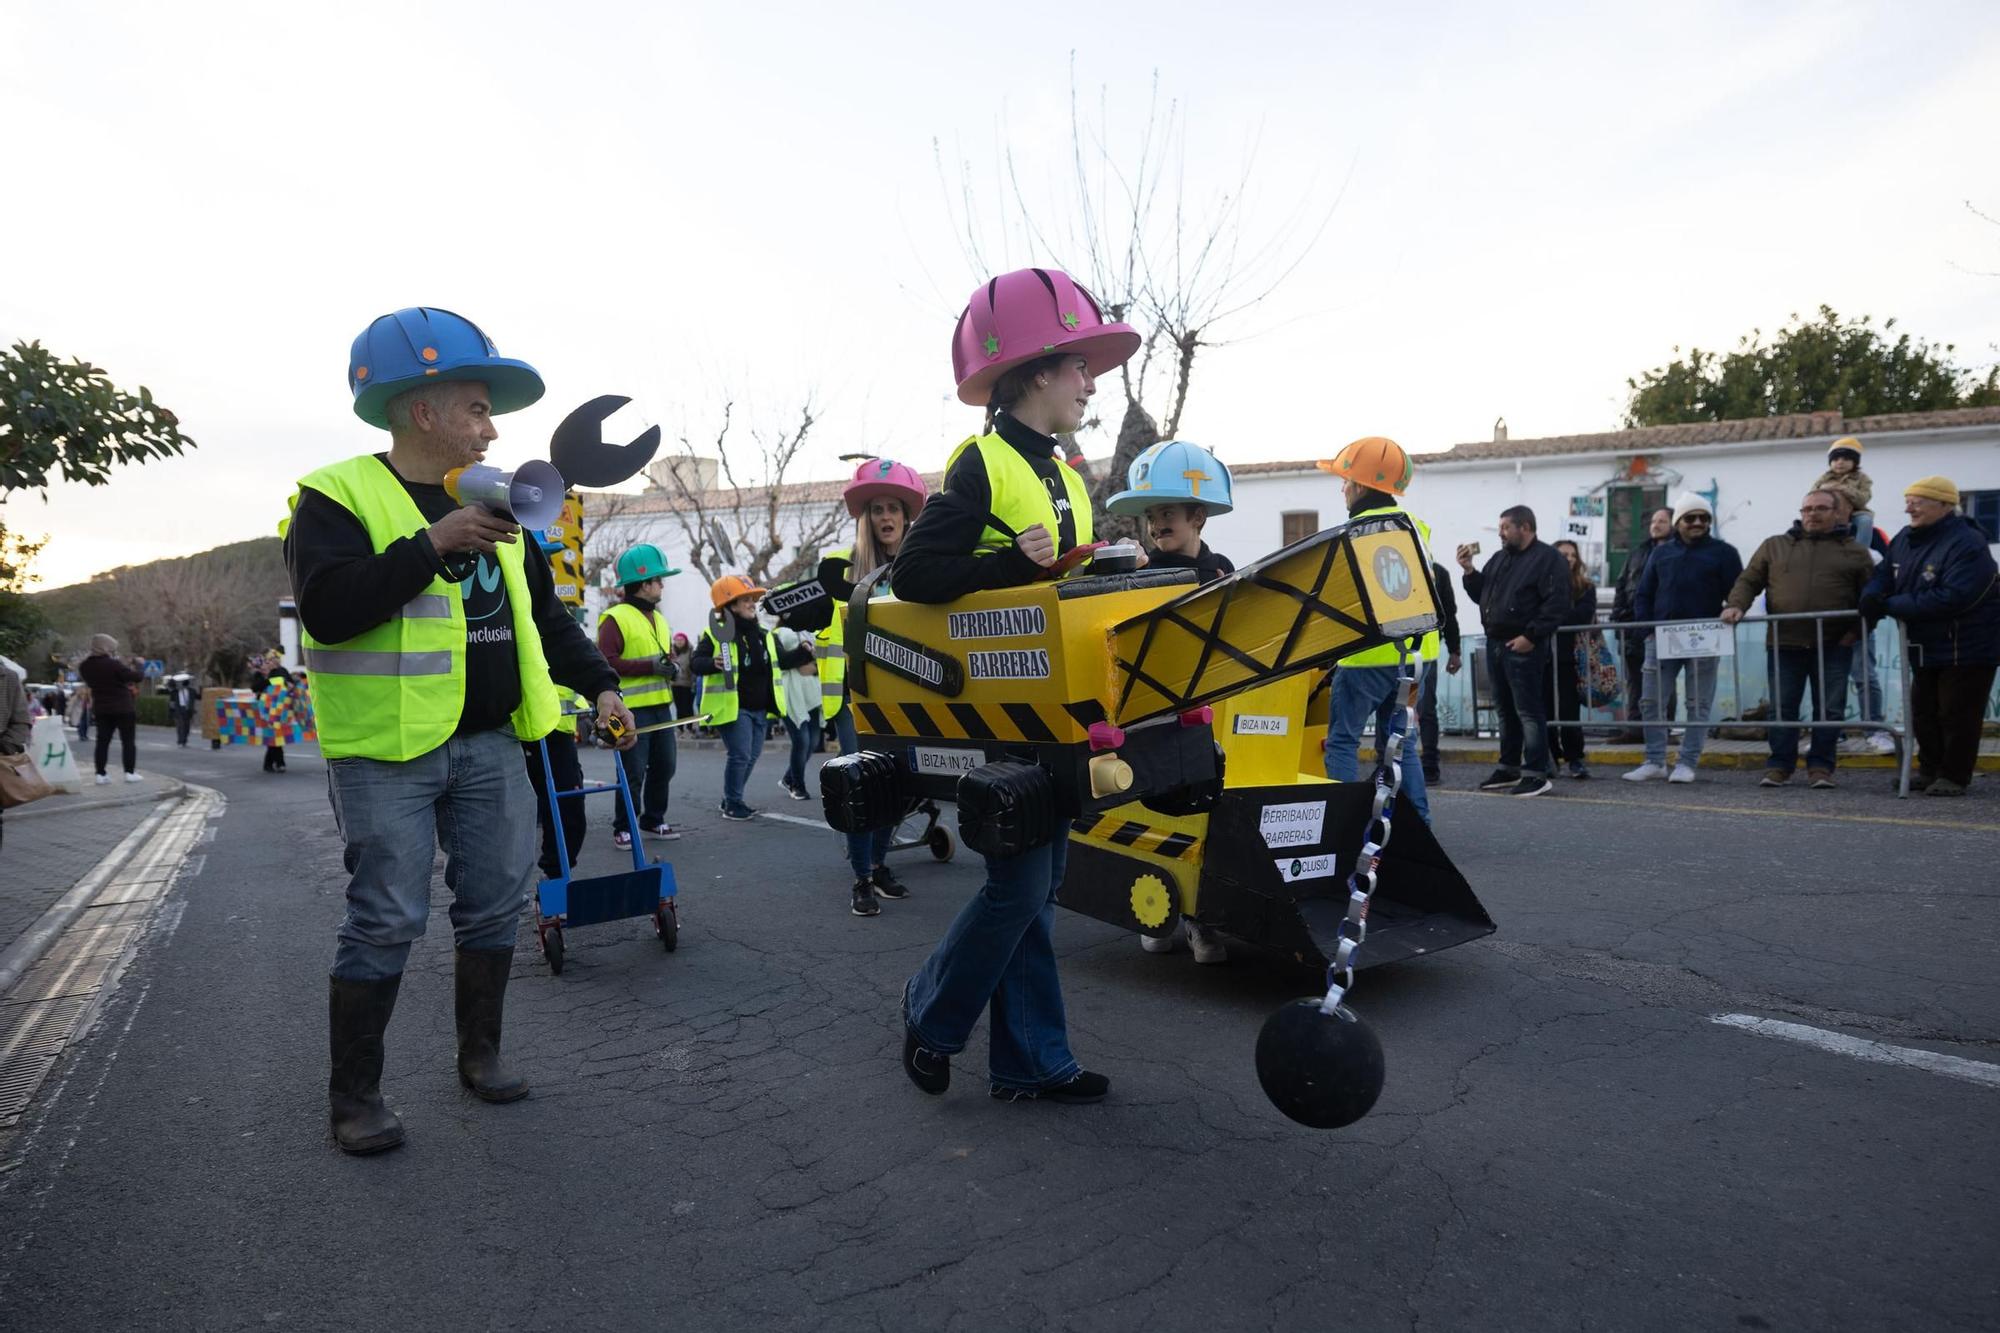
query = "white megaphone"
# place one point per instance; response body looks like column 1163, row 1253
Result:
column 531, row 495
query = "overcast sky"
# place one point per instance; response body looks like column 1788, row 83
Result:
column 681, row 202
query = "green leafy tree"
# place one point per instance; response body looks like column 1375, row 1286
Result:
column 1826, row 364
column 67, row 419
column 21, row 621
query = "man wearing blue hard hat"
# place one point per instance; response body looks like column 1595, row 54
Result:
column 435, row 644
column 1172, row 488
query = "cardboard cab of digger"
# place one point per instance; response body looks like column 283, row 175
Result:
column 1161, row 725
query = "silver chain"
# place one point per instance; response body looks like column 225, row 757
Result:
column 1353, row 928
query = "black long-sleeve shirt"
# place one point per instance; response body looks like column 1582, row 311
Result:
column 344, row 587
column 938, row 560
column 1447, row 604
column 753, row 664
column 1521, row 592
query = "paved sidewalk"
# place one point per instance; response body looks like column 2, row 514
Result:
column 55, row 842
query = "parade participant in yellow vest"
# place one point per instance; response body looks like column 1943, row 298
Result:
column 1375, row 472
column 1028, row 349
column 885, row 497
column 634, row 638
column 435, row 643
column 740, row 664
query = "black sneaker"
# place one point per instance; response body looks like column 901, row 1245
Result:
column 1533, row 784
column 1501, row 779
column 888, row 886
column 1084, row 1087
column 795, row 792
column 664, row 831
column 1432, row 777
column 864, row 899
column 927, row 1069
column 738, row 811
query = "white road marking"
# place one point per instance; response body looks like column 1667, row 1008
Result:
column 819, row 824
column 1881, row 1053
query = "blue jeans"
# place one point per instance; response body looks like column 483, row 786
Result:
column 469, row 796
column 1519, row 681
column 1357, row 695
column 805, row 739
column 1793, row 669
column 1660, row 677
column 865, row 851
column 743, row 739
column 999, row 954
column 649, row 769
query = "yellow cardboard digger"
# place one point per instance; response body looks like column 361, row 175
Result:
column 1162, row 726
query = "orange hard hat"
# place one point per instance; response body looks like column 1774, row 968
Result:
column 730, row 587
column 1375, row 461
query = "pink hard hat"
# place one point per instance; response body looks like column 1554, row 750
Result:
column 885, row 476
column 1029, row 313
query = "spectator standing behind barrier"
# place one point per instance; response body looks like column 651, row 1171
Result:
column 1522, row 595
column 1632, row 642
column 113, row 685
column 1687, row 578
column 1844, row 476
column 15, row 728
column 1375, row 472
column 1939, row 580
column 434, row 638
column 1427, row 698
column 1815, row 566
column 1566, row 738
column 1864, row 668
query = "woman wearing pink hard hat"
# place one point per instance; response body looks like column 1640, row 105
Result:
column 1028, row 349
column 885, row 497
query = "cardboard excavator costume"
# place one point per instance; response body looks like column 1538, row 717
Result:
column 1160, row 725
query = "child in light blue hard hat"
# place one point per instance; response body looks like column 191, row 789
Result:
column 1172, row 488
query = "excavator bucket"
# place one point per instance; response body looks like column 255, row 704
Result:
column 1338, row 592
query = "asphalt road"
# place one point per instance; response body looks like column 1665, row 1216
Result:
column 722, row 1137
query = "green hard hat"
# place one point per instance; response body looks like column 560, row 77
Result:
column 641, row 563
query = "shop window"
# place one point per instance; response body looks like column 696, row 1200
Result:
column 1983, row 508
column 1299, row 524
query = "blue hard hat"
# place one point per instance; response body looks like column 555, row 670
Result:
column 1173, row 472
column 425, row 345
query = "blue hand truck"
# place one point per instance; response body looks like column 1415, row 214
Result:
column 647, row 889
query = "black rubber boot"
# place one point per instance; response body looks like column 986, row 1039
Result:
column 481, row 994
column 357, row 1015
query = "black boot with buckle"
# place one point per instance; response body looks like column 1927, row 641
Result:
column 481, row 994
column 357, row 1016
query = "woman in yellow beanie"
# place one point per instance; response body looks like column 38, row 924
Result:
column 1940, row 580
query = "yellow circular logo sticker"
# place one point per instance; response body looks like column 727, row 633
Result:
column 1151, row 903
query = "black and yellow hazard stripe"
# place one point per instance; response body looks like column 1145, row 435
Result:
column 1120, row 831
column 1041, row 724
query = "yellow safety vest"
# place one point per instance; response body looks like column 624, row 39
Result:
column 830, row 648
column 1019, row 498
column 397, row 691
column 1385, row 655
column 718, row 691
column 566, row 721
column 646, row 635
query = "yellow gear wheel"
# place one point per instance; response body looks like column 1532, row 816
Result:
column 1150, row 900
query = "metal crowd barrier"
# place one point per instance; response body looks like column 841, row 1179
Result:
column 1613, row 633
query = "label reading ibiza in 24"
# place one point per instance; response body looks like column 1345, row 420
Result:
column 933, row 759
column 1262, row 724
column 1292, row 869
column 1011, row 623
column 1295, row 825
column 1009, row 664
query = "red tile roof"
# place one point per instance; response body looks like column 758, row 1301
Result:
column 1652, row 439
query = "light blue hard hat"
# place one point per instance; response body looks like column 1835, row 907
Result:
column 1173, row 472
column 425, row 345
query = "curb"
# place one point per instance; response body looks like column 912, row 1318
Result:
column 169, row 789
column 1987, row 763
column 28, row 948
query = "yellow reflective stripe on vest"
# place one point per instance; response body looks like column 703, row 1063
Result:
column 1018, row 497
column 645, row 635
column 1386, row 655
column 397, row 690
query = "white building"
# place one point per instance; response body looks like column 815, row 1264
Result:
column 1752, row 472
